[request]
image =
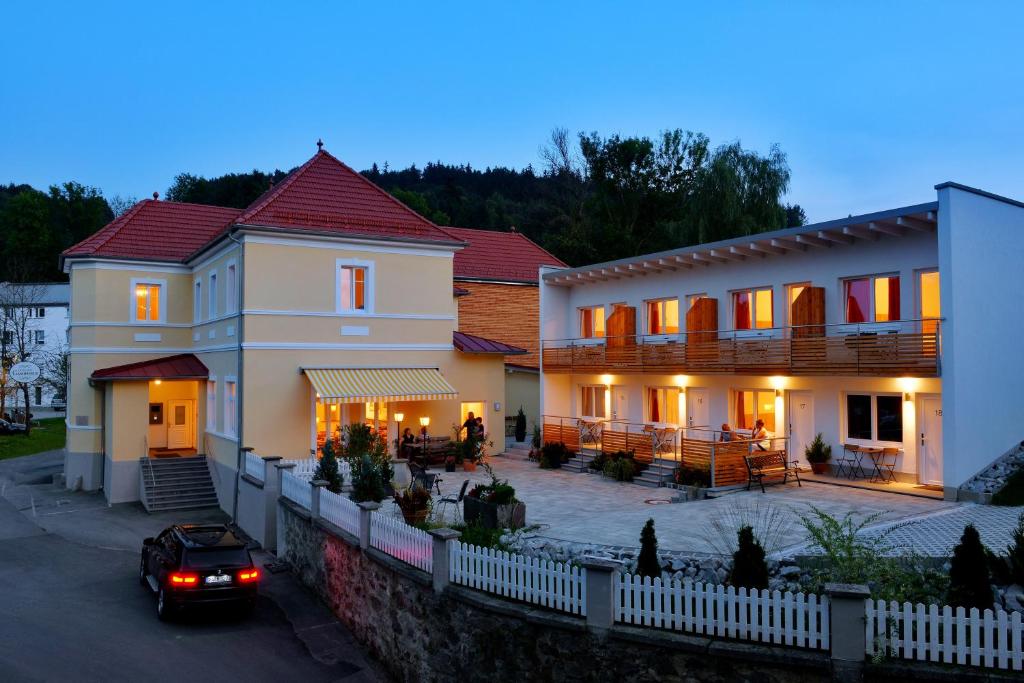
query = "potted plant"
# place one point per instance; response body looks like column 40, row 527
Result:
column 818, row 453
column 520, row 426
column 494, row 505
column 468, row 453
column 414, row 503
column 535, row 443
column 449, row 463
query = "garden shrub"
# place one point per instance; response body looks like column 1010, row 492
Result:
column 1012, row 492
column 327, row 468
column 1015, row 553
column 647, row 563
column 970, row 582
column 749, row 569
column 693, row 476
column 368, row 483
column 620, row 469
column 552, row 455
column 481, row 536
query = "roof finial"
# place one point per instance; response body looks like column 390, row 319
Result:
column 319, row 145
column 156, row 195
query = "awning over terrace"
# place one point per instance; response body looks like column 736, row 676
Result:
column 359, row 385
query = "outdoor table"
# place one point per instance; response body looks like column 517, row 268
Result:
column 870, row 451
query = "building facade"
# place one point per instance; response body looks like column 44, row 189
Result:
column 34, row 328
column 205, row 330
column 883, row 331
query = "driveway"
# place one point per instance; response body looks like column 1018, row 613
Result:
column 71, row 607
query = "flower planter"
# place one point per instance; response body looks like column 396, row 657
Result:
column 414, row 517
column 491, row 516
column 449, row 467
column 820, row 467
column 469, row 466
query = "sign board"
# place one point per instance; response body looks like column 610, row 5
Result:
column 24, row 372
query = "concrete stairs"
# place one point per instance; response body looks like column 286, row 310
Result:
column 657, row 473
column 176, row 484
column 516, row 450
column 580, row 462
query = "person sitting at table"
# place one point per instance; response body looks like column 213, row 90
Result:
column 760, row 436
column 727, row 434
column 407, row 442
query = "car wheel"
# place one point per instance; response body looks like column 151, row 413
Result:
column 164, row 610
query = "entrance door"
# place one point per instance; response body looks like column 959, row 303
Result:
column 697, row 413
column 801, row 423
column 179, row 425
column 931, row 440
column 620, row 403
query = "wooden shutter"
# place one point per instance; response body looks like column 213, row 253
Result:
column 702, row 321
column 622, row 327
column 809, row 309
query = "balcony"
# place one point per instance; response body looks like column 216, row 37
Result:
column 894, row 349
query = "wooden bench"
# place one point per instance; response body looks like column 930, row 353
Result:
column 770, row 464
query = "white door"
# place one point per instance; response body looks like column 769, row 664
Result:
column 620, row 403
column 801, row 423
column 179, row 424
column 697, row 412
column 931, row 440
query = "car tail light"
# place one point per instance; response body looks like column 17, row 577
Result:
column 249, row 575
column 182, row 579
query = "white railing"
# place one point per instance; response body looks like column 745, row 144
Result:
column 398, row 539
column 948, row 635
column 540, row 582
column 297, row 490
column 254, row 466
column 340, row 511
column 306, row 467
column 758, row 615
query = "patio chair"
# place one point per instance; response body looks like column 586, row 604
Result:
column 885, row 465
column 452, row 500
column 848, row 460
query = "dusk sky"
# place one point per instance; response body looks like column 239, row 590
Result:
column 874, row 103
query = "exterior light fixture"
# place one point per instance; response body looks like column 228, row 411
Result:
column 906, row 397
column 159, row 381
column 424, row 422
column 399, row 417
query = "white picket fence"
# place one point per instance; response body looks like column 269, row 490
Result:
column 407, row 543
column 307, row 466
column 340, row 511
column 254, row 466
column 759, row 615
column 297, row 490
column 540, row 582
column 945, row 634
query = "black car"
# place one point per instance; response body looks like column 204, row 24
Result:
column 190, row 564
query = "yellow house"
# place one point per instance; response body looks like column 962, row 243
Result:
column 200, row 331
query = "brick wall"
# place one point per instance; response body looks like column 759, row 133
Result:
column 505, row 313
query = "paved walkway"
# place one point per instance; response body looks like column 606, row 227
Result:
column 588, row 508
column 935, row 535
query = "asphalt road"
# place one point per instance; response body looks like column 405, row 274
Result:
column 71, row 607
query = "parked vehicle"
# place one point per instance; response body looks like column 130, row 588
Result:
column 190, row 564
column 58, row 404
column 11, row 427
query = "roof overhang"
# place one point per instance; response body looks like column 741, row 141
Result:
column 183, row 366
column 470, row 343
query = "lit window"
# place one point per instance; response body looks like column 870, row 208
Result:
column 663, row 316
column 752, row 309
column 230, row 412
column 662, row 404
column 147, row 302
column 352, row 288
column 592, row 322
column 873, row 299
column 930, row 309
column 592, row 401
column 874, row 417
column 213, row 295
column 752, row 406
column 211, row 404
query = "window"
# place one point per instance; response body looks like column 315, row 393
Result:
column 794, row 291
column 871, row 417
column 752, row 309
column 212, row 308
column 147, row 304
column 39, row 336
column 230, row 412
column 352, row 288
column 592, row 401
column 873, row 299
column 197, row 302
column 663, row 316
column 754, row 405
column 930, row 309
column 231, row 289
column 39, row 396
column 37, row 312
column 592, row 322
column 211, row 404
column 662, row 404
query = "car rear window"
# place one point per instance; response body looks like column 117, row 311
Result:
column 213, row 558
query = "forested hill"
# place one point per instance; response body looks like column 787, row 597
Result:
column 592, row 199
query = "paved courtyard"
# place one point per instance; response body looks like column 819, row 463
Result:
column 589, row 508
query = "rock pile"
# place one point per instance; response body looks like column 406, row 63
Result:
column 993, row 477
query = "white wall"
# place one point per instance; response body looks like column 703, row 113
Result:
column 981, row 252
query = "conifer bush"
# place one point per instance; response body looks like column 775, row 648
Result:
column 647, row 563
column 327, row 468
column 749, row 569
column 970, row 582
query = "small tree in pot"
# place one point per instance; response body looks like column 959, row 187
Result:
column 520, row 426
column 818, row 453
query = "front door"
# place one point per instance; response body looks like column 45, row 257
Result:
column 620, row 403
column 179, row 425
column 697, row 413
column 931, row 440
column 801, row 423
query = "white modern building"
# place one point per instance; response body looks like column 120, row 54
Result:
column 890, row 330
column 43, row 310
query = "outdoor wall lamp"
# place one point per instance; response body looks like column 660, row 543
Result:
column 778, row 393
column 906, row 397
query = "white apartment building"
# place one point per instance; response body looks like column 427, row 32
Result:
column 888, row 330
column 44, row 308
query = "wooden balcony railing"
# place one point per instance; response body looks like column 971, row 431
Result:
column 909, row 347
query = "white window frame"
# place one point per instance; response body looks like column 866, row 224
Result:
column 680, row 317
column 162, row 306
column 197, row 300
column 871, row 291
column 754, row 330
column 368, row 291
column 39, row 336
column 604, row 402
column 874, row 440
column 211, row 295
column 604, row 321
column 231, row 287
column 211, row 403
column 230, row 406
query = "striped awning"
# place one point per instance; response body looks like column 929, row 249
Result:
column 358, row 385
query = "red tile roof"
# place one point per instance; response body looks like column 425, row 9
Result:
column 325, row 194
column 469, row 343
column 182, row 366
column 502, row 256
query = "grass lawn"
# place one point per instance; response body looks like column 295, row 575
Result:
column 49, row 435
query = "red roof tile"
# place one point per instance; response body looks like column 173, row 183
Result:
column 503, row 256
column 469, row 343
column 182, row 366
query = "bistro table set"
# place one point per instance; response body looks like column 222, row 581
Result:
column 882, row 463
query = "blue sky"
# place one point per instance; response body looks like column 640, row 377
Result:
column 874, row 103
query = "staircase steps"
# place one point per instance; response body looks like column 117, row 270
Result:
column 657, row 473
column 516, row 450
column 580, row 463
column 177, row 484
